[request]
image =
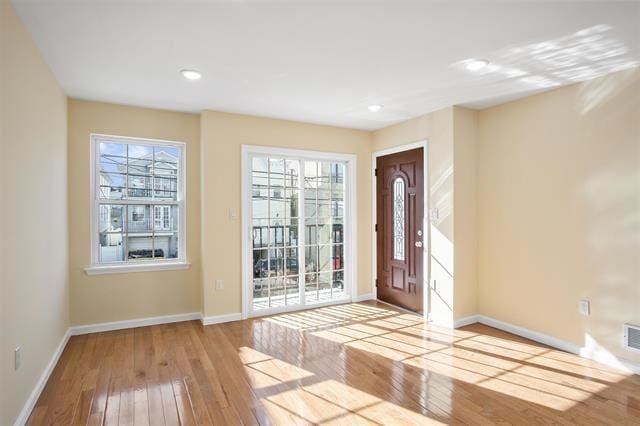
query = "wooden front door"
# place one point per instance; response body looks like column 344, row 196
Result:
column 400, row 237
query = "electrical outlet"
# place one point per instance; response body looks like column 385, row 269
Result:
column 233, row 214
column 219, row 284
column 17, row 357
column 434, row 213
column 584, row 307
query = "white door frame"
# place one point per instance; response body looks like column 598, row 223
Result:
column 350, row 234
column 426, row 265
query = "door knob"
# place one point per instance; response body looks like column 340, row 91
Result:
column 418, row 244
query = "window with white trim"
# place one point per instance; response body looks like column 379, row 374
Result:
column 138, row 201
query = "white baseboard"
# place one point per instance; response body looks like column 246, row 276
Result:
column 471, row 319
column 530, row 334
column 593, row 353
column 363, row 297
column 42, row 381
column 139, row 322
column 605, row 357
column 218, row 319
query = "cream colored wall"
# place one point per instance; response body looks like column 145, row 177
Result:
column 222, row 136
column 559, row 211
column 438, row 129
column 104, row 298
column 33, row 169
column 465, row 129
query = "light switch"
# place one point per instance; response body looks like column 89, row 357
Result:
column 219, row 285
column 584, row 307
column 17, row 358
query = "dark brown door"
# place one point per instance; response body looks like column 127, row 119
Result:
column 399, row 209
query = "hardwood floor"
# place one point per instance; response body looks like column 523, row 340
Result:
column 364, row 363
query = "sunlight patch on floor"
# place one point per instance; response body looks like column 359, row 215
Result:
column 397, row 341
column 263, row 370
column 321, row 402
column 332, row 402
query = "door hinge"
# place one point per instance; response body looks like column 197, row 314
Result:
column 376, row 227
column 375, row 172
column 376, row 283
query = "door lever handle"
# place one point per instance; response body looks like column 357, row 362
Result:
column 418, row 244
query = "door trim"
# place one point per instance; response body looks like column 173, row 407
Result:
column 423, row 143
column 350, row 235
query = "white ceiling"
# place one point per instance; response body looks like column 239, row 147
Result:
column 325, row 61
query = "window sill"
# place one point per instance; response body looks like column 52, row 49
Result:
column 121, row 269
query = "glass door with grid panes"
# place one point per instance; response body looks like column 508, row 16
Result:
column 297, row 232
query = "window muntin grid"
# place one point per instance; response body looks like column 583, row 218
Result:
column 324, row 194
column 275, row 198
column 284, row 261
column 138, row 200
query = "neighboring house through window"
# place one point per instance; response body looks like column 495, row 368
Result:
column 138, row 214
column 297, row 214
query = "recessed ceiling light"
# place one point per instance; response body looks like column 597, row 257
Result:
column 477, row 64
column 191, row 74
column 375, row 107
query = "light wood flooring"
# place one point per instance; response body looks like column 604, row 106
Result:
column 364, row 363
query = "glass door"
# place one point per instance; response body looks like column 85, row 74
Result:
column 324, row 230
column 297, row 229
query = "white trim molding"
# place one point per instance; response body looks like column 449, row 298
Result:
column 590, row 351
column 530, row 334
column 138, row 322
column 471, row 319
column 400, row 148
column 607, row 358
column 42, row 381
column 135, row 267
column 219, row 319
column 363, row 297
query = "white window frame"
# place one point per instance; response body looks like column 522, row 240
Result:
column 97, row 268
column 350, row 225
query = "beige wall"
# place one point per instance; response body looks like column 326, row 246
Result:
column 438, row 129
column 33, row 169
column 465, row 129
column 222, row 136
column 103, row 298
column 559, row 211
